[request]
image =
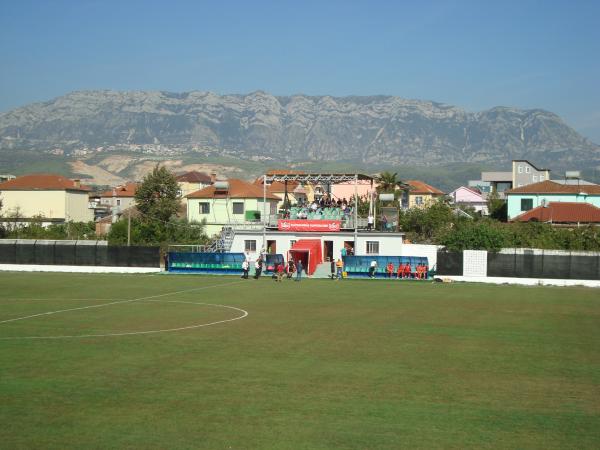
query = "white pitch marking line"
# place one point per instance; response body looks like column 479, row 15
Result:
column 130, row 333
column 116, row 303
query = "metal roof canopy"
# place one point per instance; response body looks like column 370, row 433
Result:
column 313, row 178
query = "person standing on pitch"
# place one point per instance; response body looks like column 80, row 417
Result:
column 245, row 269
column 340, row 268
column 258, row 268
column 372, row 269
column 299, row 268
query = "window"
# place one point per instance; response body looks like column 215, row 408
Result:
column 118, row 202
column 238, row 207
column 520, row 169
column 372, row 247
column 292, row 242
column 250, row 246
column 204, row 208
column 418, row 200
column 526, row 204
column 542, row 178
column 534, row 178
column 527, row 169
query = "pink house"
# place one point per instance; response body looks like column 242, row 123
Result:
column 465, row 196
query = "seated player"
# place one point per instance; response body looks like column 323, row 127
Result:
column 390, row 269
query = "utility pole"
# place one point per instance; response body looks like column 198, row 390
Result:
column 128, row 227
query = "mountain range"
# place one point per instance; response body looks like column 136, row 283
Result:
column 262, row 127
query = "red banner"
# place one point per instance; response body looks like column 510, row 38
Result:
column 308, row 225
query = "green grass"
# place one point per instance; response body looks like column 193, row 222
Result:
column 357, row 364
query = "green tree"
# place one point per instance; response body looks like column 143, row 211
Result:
column 387, row 182
column 428, row 225
column 157, row 198
column 480, row 235
column 497, row 207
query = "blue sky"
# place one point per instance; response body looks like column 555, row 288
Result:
column 473, row 54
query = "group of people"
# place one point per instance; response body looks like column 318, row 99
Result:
column 337, row 269
column 318, row 206
column 279, row 270
column 405, row 271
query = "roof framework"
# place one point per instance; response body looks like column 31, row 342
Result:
column 316, row 178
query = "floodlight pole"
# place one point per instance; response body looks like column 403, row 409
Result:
column 264, row 244
column 355, row 212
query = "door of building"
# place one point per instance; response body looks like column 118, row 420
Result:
column 327, row 250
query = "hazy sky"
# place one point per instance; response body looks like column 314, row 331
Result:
column 473, row 54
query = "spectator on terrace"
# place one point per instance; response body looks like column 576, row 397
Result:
column 384, row 222
column 370, row 221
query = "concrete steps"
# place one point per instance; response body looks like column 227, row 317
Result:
column 323, row 270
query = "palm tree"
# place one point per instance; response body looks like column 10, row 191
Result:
column 387, row 182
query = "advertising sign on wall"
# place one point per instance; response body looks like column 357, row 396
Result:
column 309, row 225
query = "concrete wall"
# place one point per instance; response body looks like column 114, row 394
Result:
column 50, row 204
column 77, row 207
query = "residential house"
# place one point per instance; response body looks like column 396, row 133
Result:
column 525, row 198
column 231, row 203
column 523, row 173
column 420, row 194
column 562, row 214
column 469, row 197
column 120, row 197
column 54, row 198
column 194, row 181
column 295, row 191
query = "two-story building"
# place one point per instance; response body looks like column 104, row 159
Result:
column 469, row 197
column 53, row 198
column 119, row 198
column 230, row 203
column 522, row 173
column 194, row 181
column 420, row 194
column 525, row 198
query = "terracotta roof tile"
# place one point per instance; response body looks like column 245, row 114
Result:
column 562, row 212
column 127, row 190
column 237, row 189
column 195, row 177
column 42, row 182
column 550, row 187
column 419, row 187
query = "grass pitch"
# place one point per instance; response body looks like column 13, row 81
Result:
column 357, row 364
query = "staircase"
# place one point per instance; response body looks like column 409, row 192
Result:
column 223, row 242
column 323, row 270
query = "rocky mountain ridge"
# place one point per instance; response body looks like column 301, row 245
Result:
column 261, row 126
